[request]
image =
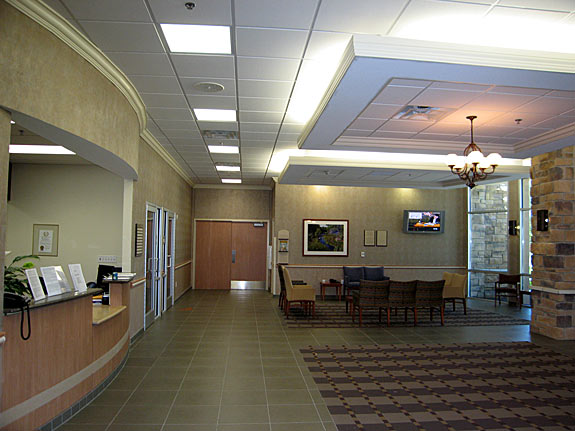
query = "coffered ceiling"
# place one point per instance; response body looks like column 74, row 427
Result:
column 277, row 44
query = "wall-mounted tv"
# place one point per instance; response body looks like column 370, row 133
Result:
column 423, row 221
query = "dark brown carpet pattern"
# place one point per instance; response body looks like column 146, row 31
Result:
column 334, row 316
column 458, row 387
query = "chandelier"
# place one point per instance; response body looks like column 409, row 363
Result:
column 473, row 166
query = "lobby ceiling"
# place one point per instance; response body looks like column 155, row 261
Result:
column 276, row 45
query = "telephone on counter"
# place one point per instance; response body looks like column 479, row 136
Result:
column 333, row 280
column 13, row 301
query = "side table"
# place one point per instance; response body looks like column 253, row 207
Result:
column 337, row 286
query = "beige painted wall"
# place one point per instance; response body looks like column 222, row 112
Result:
column 232, row 203
column 374, row 209
column 50, row 81
column 86, row 203
column 159, row 184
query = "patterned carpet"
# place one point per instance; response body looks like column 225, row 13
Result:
column 479, row 386
column 334, row 316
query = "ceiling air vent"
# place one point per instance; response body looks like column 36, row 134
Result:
column 421, row 113
column 219, row 134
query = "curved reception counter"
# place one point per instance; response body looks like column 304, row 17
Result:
column 75, row 349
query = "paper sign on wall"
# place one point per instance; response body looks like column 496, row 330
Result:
column 35, row 284
column 51, row 280
column 77, row 277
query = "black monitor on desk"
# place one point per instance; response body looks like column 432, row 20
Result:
column 103, row 271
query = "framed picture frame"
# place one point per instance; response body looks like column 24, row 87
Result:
column 325, row 237
column 381, row 240
column 45, row 239
column 283, row 245
column 368, row 238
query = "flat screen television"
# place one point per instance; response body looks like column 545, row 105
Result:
column 423, row 221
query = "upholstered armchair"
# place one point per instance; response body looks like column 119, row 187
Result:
column 301, row 293
column 371, row 294
column 455, row 289
column 429, row 294
column 401, row 295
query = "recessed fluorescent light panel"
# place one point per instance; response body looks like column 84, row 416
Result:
column 215, row 114
column 231, row 180
column 225, row 149
column 201, row 39
column 39, row 149
column 225, row 168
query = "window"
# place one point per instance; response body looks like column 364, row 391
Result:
column 526, row 261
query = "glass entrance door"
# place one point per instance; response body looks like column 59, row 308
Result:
column 169, row 229
column 152, row 264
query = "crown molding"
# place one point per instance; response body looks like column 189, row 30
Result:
column 73, row 38
column 546, row 138
column 149, row 139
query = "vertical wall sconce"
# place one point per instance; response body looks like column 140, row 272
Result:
column 512, row 227
column 542, row 220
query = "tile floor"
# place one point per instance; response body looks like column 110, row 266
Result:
column 225, row 361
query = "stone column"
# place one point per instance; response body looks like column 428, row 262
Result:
column 553, row 295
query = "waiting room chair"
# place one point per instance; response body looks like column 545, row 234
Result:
column 429, row 294
column 512, row 288
column 371, row 294
column 302, row 294
column 282, row 287
column 401, row 295
column 455, row 289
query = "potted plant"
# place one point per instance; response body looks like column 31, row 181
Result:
column 14, row 276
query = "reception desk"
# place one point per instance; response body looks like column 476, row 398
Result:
column 74, row 350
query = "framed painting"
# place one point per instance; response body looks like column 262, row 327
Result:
column 325, row 237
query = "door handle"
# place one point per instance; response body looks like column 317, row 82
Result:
column 233, row 256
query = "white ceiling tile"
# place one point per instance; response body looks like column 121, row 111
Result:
column 254, row 136
column 292, row 128
column 440, row 98
column 503, row 141
column 404, row 126
column 519, row 90
column 528, row 133
column 560, row 5
column 443, row 127
column 164, row 100
column 247, row 143
column 189, row 134
column 370, row 124
column 357, row 133
column 392, row 135
column 276, row 13
column 501, row 102
column 206, row 12
column 286, row 145
column 228, row 84
column 278, row 69
column 284, row 136
column 109, row 10
column 260, row 127
column 176, row 125
column 324, row 44
column 261, row 104
column 260, row 42
column 123, row 36
column 409, row 82
column 434, row 137
column 555, row 122
column 228, row 158
column 218, row 125
column 460, row 116
column 212, row 102
column 392, row 95
column 259, row 88
column 459, row 86
column 156, row 84
column 527, row 119
column 369, row 16
column 380, row 112
column 260, row 116
column 529, row 15
column 570, row 113
column 190, row 141
column 133, row 63
column 170, row 114
column 489, row 130
column 548, row 105
column 197, row 66
column 559, row 93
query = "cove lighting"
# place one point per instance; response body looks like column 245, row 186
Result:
column 215, row 114
column 39, row 149
column 202, row 39
column 225, row 149
column 231, row 180
column 227, row 168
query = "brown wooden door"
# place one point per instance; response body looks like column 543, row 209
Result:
column 213, row 254
column 250, row 245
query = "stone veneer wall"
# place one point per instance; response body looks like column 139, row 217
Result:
column 553, row 188
column 488, row 236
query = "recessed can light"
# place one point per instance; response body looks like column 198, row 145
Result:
column 208, row 87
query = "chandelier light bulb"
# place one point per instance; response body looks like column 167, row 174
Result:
column 494, row 159
column 474, row 157
column 451, row 159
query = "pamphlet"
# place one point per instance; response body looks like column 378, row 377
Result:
column 77, row 277
column 35, row 284
column 64, row 285
column 51, row 280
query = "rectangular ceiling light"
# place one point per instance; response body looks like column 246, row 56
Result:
column 231, row 180
column 39, row 149
column 226, row 149
column 201, row 39
column 225, row 168
column 215, row 114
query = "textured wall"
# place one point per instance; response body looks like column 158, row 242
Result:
column 161, row 185
column 4, row 156
column 232, row 204
column 52, row 83
column 375, row 209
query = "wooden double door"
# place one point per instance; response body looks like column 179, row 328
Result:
column 231, row 255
